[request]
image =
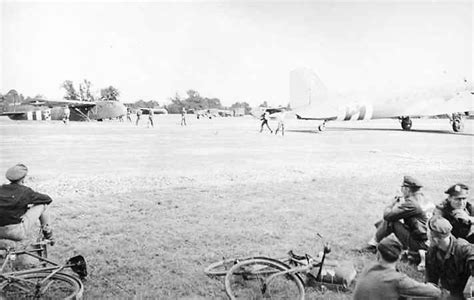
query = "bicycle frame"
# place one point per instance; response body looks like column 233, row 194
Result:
column 303, row 268
column 77, row 263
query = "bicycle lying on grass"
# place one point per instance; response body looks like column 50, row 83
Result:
column 264, row 277
column 45, row 282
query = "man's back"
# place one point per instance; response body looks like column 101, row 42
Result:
column 379, row 282
column 14, row 201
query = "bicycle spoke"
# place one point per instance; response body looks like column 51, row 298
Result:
column 252, row 280
column 39, row 285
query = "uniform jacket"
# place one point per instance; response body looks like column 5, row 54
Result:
column 450, row 268
column 379, row 282
column 412, row 215
column 461, row 228
column 14, row 201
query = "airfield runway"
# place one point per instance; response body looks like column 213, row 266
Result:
column 150, row 208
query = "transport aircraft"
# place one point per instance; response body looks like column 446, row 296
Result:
column 213, row 113
column 41, row 109
column 156, row 111
column 311, row 100
column 257, row 112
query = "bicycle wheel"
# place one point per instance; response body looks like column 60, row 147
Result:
column 28, row 286
column 221, row 268
column 249, row 280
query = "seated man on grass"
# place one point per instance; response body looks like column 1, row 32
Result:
column 406, row 218
column 458, row 211
column 381, row 280
column 450, row 260
column 21, row 207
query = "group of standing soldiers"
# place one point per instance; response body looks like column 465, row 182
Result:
column 440, row 239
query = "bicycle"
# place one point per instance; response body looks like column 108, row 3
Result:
column 45, row 282
column 261, row 277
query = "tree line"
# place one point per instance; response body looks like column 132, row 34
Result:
column 84, row 93
column 193, row 101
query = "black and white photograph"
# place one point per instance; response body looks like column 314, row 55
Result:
column 237, row 149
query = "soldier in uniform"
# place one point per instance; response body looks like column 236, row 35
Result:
column 150, row 118
column 183, row 117
column 381, row 280
column 458, row 211
column 281, row 123
column 265, row 116
column 449, row 260
column 67, row 114
column 21, row 207
column 139, row 114
column 405, row 218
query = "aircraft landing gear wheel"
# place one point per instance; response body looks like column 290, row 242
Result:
column 458, row 125
column 406, row 123
column 322, row 127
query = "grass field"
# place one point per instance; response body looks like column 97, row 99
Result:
column 150, row 208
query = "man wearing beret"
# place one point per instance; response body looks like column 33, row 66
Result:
column 458, row 211
column 405, row 218
column 21, row 207
column 449, row 261
column 381, row 280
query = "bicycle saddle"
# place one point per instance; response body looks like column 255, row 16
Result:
column 298, row 257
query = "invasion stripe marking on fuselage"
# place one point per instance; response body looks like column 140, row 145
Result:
column 362, row 112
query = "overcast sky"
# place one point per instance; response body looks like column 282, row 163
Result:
column 231, row 50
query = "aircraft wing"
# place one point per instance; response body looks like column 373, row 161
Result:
column 156, row 111
column 12, row 113
column 70, row 103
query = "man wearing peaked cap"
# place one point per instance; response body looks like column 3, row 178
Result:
column 411, row 182
column 406, row 218
column 458, row 211
column 21, row 207
column 381, row 280
column 449, row 260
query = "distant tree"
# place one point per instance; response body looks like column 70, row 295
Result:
column 85, row 91
column 109, row 94
column 213, row 103
column 244, row 105
column 264, row 104
column 71, row 93
column 146, row 104
column 193, row 101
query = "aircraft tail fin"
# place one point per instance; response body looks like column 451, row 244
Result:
column 306, row 88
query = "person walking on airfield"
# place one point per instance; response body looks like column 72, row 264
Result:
column 449, row 260
column 381, row 280
column 281, row 123
column 139, row 114
column 458, row 211
column 129, row 118
column 183, row 117
column 265, row 116
column 21, row 207
column 66, row 115
column 150, row 118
